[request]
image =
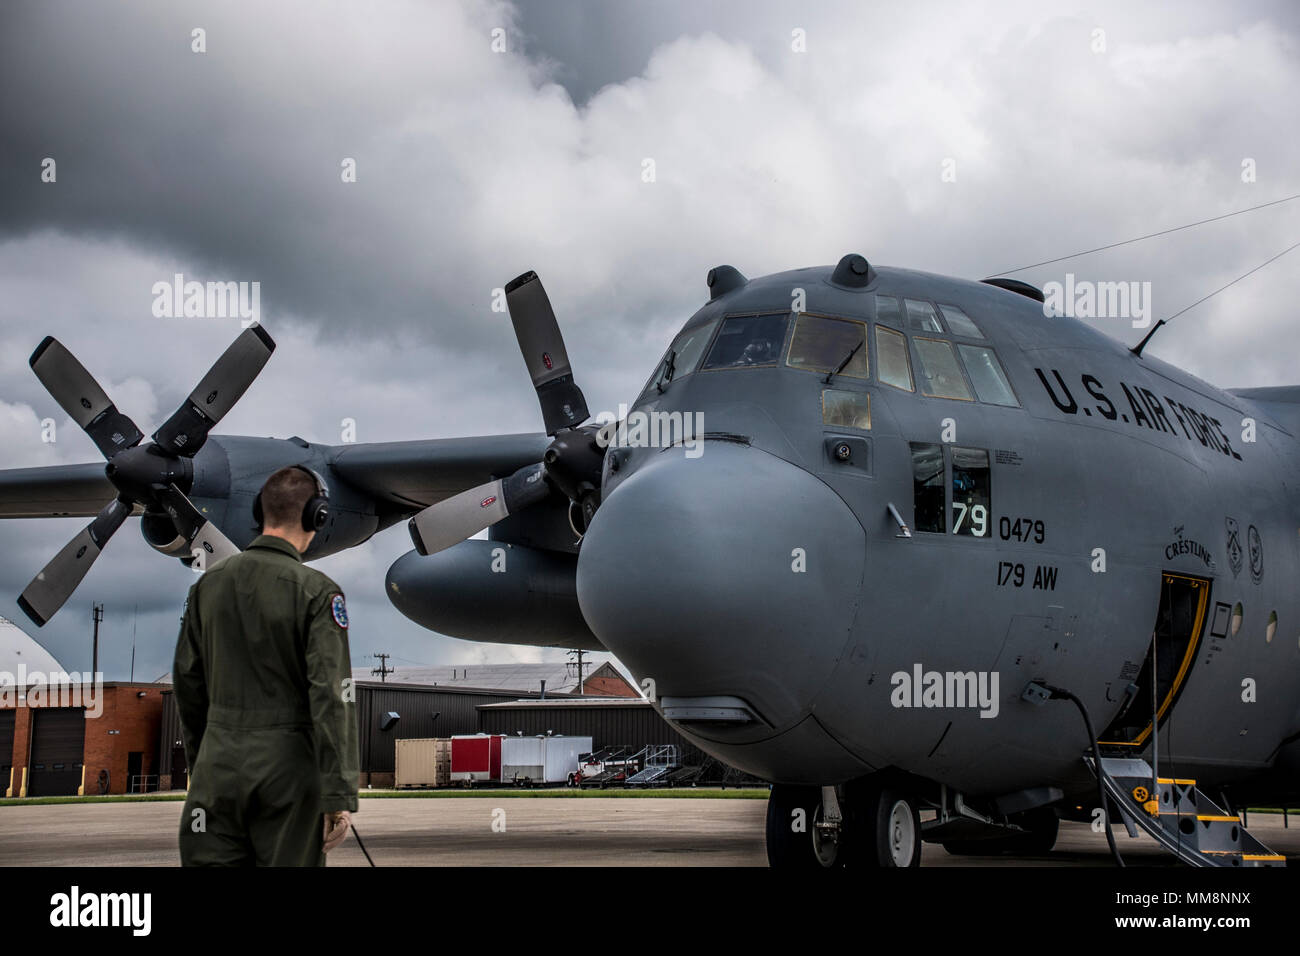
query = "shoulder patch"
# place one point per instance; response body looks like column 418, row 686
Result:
column 339, row 610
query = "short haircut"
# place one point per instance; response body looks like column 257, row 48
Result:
column 285, row 496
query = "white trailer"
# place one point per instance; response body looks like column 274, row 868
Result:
column 523, row 760
column 541, row 759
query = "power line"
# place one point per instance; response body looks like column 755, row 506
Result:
column 1137, row 349
column 1235, row 281
column 1152, row 235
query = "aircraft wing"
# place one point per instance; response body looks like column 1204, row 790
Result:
column 405, row 475
column 55, row 491
column 415, row 474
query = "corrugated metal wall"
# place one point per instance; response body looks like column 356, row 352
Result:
column 634, row 725
column 457, row 708
column 458, row 711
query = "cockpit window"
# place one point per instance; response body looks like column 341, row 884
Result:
column 893, row 367
column 927, row 488
column 887, row 311
column 921, row 317
column 822, row 345
column 986, row 375
column 748, row 340
column 684, row 356
column 972, row 501
column 940, row 374
column 959, row 323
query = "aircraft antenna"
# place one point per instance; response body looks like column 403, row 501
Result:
column 1151, row 235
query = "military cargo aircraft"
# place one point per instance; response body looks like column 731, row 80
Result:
column 866, row 533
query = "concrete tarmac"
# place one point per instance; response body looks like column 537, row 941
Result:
column 510, row 831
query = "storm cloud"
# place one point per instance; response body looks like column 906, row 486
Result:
column 491, row 138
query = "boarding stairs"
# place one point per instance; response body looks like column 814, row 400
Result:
column 658, row 761
column 1180, row 817
column 616, row 764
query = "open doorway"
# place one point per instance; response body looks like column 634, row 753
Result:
column 1174, row 640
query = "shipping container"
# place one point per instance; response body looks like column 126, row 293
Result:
column 476, row 758
column 423, row 762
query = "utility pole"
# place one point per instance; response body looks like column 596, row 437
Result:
column 135, row 623
column 383, row 670
column 96, row 615
column 581, row 676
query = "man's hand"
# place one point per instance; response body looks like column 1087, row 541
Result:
column 337, row 825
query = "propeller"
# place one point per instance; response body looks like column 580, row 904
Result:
column 152, row 475
column 571, row 464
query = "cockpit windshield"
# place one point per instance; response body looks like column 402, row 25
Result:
column 825, row 344
column 684, row 356
column 747, row 340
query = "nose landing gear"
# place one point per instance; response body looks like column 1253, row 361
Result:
column 830, row 827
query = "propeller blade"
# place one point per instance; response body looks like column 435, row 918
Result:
column 207, row 544
column 229, row 378
column 538, row 332
column 51, row 589
column 462, row 516
column 80, row 396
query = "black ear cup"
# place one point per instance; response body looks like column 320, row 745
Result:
column 316, row 513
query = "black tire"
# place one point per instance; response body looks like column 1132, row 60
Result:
column 789, row 832
column 894, row 823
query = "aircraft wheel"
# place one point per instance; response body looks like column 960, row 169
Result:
column 791, row 813
column 895, row 822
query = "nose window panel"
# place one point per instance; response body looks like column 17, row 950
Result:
column 748, row 340
column 893, row 367
column 940, row 375
column 986, row 375
column 822, row 344
column 846, row 409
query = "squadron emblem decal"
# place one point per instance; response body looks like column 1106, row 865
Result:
column 1256, row 547
column 340, row 611
column 1234, row 545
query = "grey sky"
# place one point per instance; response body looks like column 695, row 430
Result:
column 474, row 166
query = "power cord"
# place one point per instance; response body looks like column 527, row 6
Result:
column 356, row 833
column 1060, row 693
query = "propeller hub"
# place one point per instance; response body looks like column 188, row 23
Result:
column 139, row 473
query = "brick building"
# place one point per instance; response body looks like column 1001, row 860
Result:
column 65, row 739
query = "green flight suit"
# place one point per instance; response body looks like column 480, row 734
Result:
column 262, row 678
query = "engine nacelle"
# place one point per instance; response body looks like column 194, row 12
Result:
column 161, row 535
column 493, row 592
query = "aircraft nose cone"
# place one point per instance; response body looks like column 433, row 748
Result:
column 731, row 574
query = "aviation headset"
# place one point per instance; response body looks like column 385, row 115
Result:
column 314, row 514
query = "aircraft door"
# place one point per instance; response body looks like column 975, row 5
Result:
column 1175, row 638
